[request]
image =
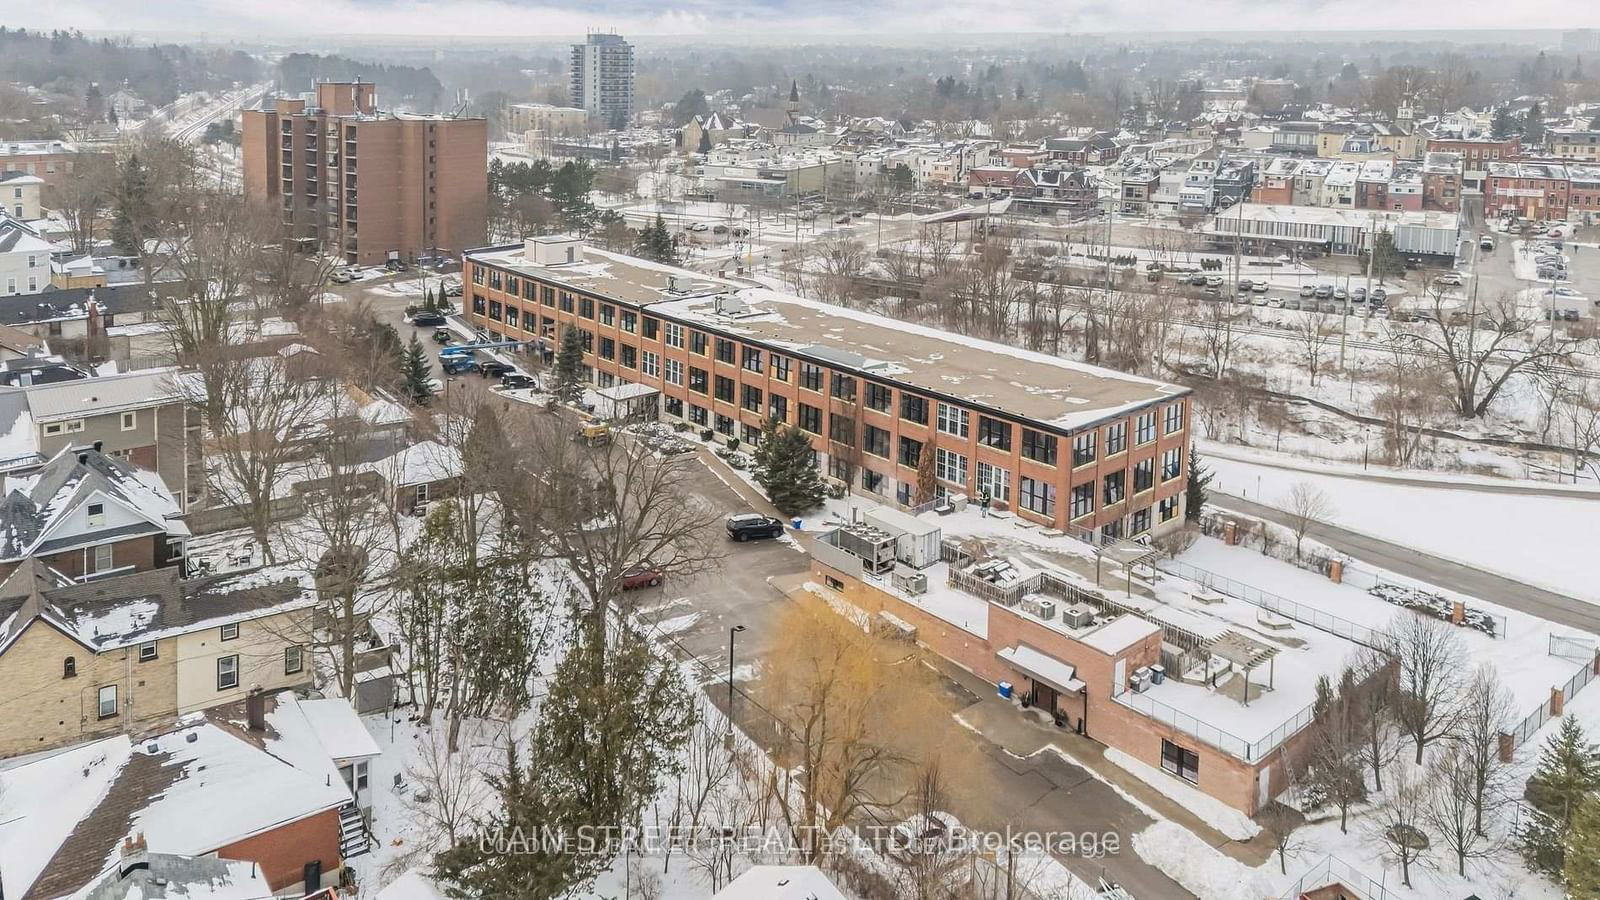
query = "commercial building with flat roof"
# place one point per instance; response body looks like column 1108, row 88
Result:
column 1332, row 230
column 368, row 185
column 1059, row 442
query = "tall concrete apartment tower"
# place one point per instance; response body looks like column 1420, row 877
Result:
column 602, row 78
column 368, row 185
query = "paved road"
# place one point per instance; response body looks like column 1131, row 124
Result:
column 1042, row 791
column 1408, row 561
column 1524, row 488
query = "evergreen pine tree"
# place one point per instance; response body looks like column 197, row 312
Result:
column 131, row 195
column 763, row 448
column 566, row 380
column 1580, row 872
column 789, row 473
column 414, row 368
column 1568, row 772
column 1199, row 477
column 705, row 142
column 427, row 300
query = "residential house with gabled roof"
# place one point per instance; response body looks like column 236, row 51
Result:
column 24, row 258
column 85, row 515
column 118, row 654
column 264, row 791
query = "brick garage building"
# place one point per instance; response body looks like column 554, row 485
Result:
column 1060, row 442
column 369, row 185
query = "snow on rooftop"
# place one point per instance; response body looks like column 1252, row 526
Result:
column 1119, row 634
column 42, row 801
column 338, row 728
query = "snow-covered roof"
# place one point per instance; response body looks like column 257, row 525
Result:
column 338, row 729
column 413, row 885
column 97, row 396
column 1120, row 634
column 421, row 463
column 168, row 876
column 780, row 883
column 1057, row 673
column 37, row 515
column 189, row 791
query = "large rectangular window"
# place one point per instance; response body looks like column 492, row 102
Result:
column 1037, row 496
column 699, row 380
column 780, row 367
column 952, row 420
column 649, row 363
column 876, row 441
column 630, row 321
column 1171, row 463
column 1083, row 447
column 841, row 429
column 844, row 387
column 950, row 467
column 724, row 350
column 879, row 397
column 697, row 342
column 1139, row 522
column 674, row 371
column 1144, row 428
column 106, row 701
column 752, row 359
column 778, row 407
column 674, row 334
column 608, row 348
column 751, row 398
column 1038, row 446
column 1115, row 488
column 1180, row 761
column 1168, row 508
column 910, row 452
column 608, row 314
column 1116, row 438
column 996, row 481
column 1082, row 500
column 810, row 419
column 586, row 307
column 1174, row 416
column 630, row 356
column 913, row 408
column 994, row 433
column 1144, row 475
column 652, row 328
column 724, row 389
column 811, row 377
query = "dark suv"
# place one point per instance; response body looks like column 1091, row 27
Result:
column 490, row 369
column 748, row 526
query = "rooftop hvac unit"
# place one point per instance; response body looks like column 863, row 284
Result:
column 1030, row 605
column 1047, row 609
column 1078, row 615
column 1139, row 681
column 912, row 583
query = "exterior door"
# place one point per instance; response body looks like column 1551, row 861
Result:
column 1119, row 677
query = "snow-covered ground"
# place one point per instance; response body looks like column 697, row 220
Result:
column 1542, row 540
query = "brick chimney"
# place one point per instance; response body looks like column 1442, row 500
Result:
column 255, row 708
column 133, row 855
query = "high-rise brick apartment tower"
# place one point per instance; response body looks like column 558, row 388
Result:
column 369, row 185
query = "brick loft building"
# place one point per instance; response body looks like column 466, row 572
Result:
column 1062, row 443
column 369, row 185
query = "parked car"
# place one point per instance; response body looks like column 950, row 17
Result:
column 492, row 369
column 1245, row 285
column 341, row 277
column 699, row 227
column 1197, row 280
column 1340, row 294
column 1275, row 303
column 1214, row 281
column 1258, row 301
column 427, row 319
column 515, row 381
column 640, row 577
column 1449, row 278
column 1487, row 244
column 1259, row 287
column 719, row 229
column 1308, row 290
column 1359, row 295
column 747, row 526
column 1291, row 303
column 1324, row 291
column 1379, row 295
column 1213, row 293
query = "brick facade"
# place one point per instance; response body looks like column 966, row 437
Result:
column 284, row 852
column 514, row 306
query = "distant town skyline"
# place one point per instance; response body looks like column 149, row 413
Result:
column 891, row 19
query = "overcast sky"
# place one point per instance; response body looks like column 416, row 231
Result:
column 544, row 18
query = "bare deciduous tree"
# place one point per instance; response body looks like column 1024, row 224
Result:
column 1399, row 822
column 1429, row 661
column 1312, row 336
column 1487, row 712
column 1307, row 505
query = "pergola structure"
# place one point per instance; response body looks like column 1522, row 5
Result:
column 1245, row 652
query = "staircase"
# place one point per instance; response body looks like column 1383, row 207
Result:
column 354, row 839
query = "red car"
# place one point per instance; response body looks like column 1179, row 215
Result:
column 640, row 577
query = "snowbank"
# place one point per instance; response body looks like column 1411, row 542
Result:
column 1207, row 808
column 1193, row 863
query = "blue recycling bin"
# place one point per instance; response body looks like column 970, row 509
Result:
column 796, row 522
column 1005, row 689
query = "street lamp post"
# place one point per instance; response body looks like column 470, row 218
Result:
column 731, row 632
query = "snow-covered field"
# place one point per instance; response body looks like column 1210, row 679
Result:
column 1544, row 541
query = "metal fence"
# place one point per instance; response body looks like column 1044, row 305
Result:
column 1572, row 647
column 1223, row 740
column 1283, row 606
column 1532, row 722
column 1333, row 870
column 1010, row 595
